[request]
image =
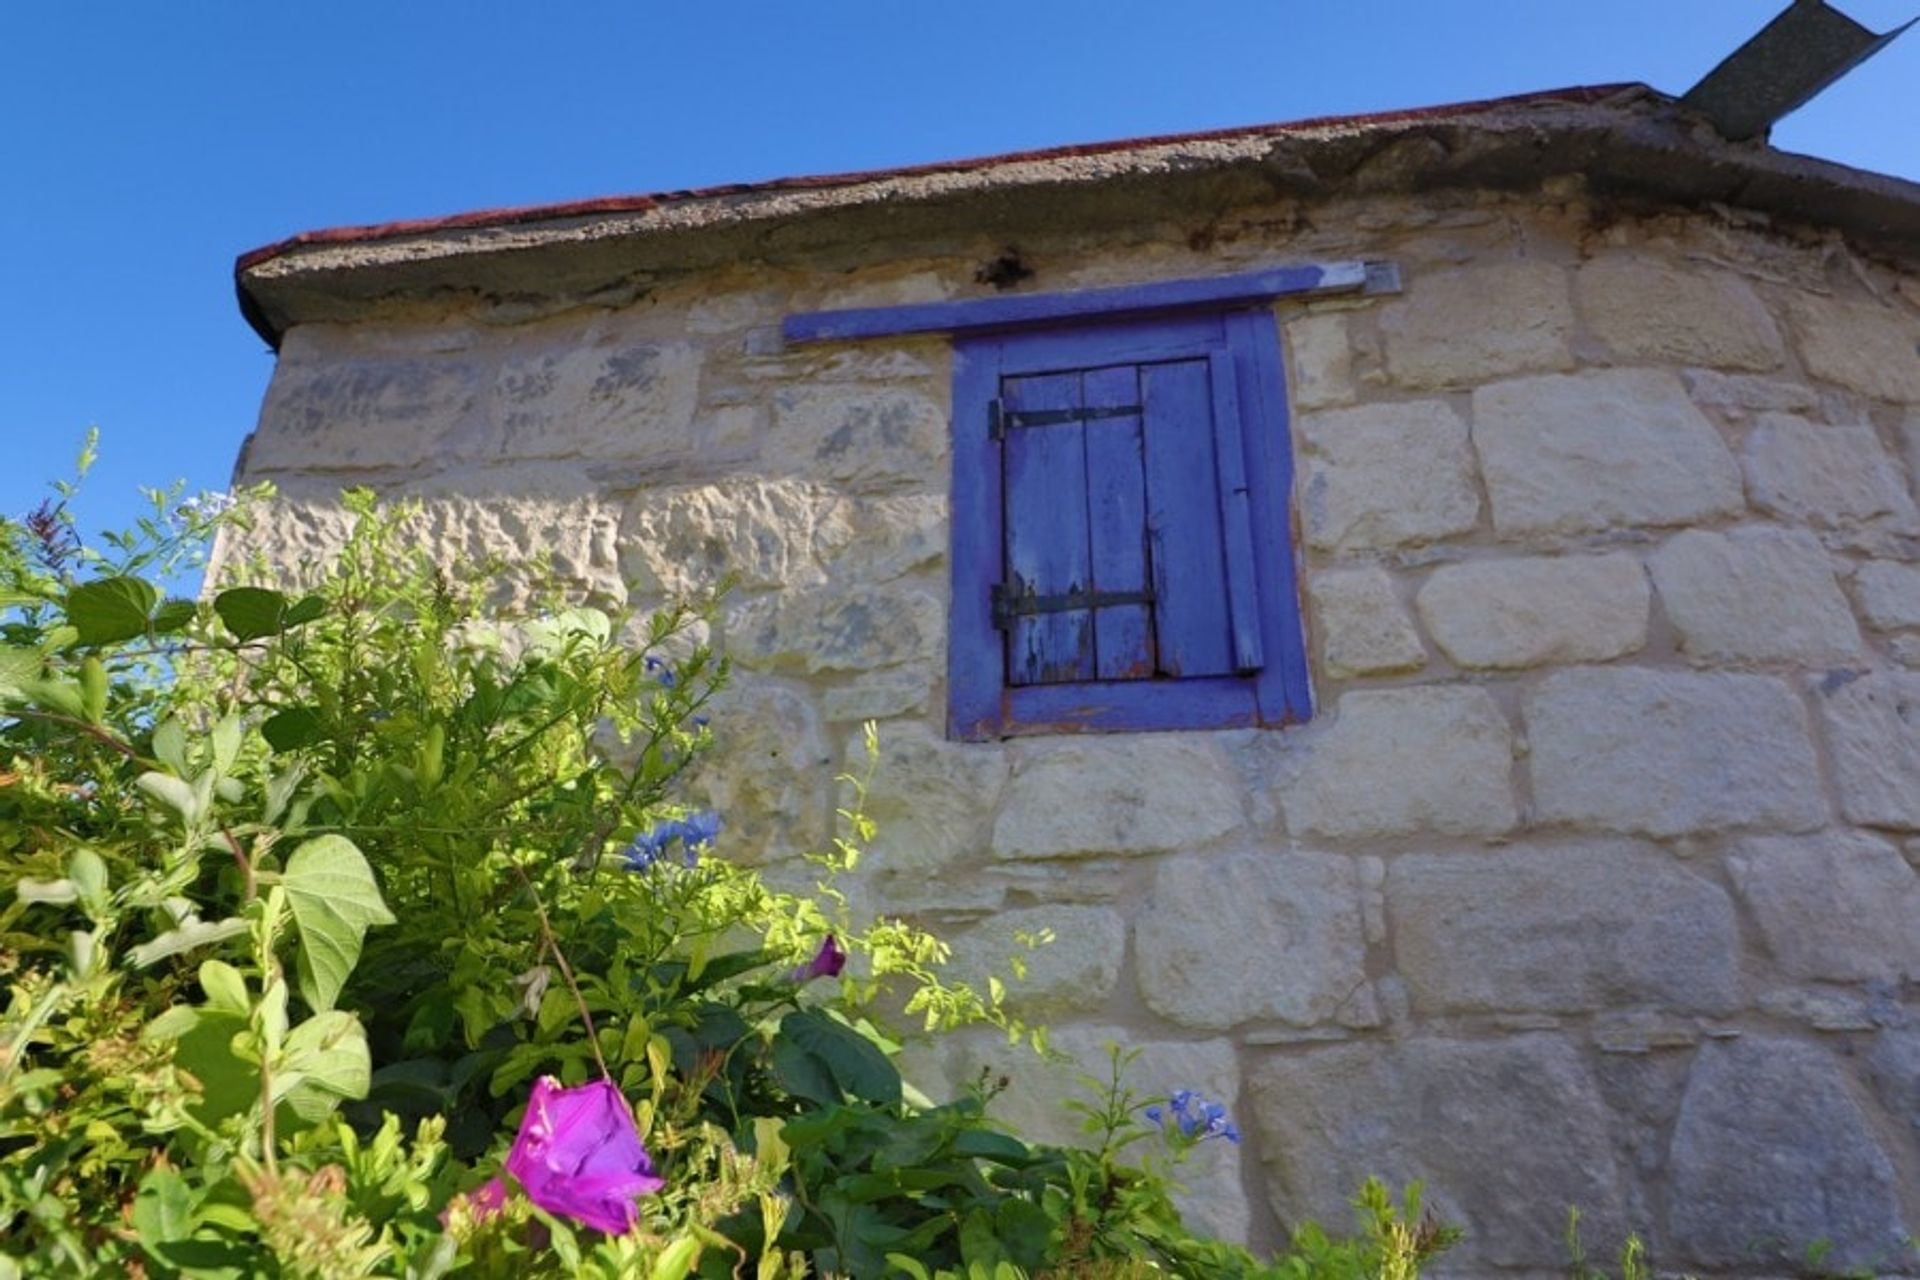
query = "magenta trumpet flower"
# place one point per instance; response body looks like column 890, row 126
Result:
column 827, row 962
column 578, row 1155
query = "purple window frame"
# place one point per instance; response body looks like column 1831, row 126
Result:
column 981, row 703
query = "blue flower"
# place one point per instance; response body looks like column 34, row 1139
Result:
column 1190, row 1118
column 665, row 673
column 695, row 831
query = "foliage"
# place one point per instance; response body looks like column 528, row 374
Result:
column 309, row 892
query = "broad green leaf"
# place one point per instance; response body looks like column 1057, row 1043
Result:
column 111, row 609
column 170, row 746
column 985, row 1144
column 676, row 1260
column 192, row 934
column 226, row 989
column 52, row 893
column 804, row 1074
column 306, row 609
column 294, row 728
column 173, row 793
column 61, row 696
column 251, row 612
column 163, row 1207
column 858, row 1065
column 226, row 744
column 18, row 667
column 173, row 615
column 89, row 874
column 335, row 899
column 329, row 1061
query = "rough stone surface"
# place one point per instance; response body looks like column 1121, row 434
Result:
column 845, row 628
column 1757, row 594
column 870, row 439
column 1889, row 594
column 1865, row 347
column 686, row 540
column 1562, row 930
column 879, row 694
column 1575, row 453
column 1459, row 327
column 1893, row 1069
column 335, row 407
column 932, row 800
column 1745, row 391
column 1664, row 753
column 1363, row 626
column 1303, row 909
column 1077, row 970
column 613, row 400
column 765, row 772
column 1840, row 906
column 1471, row 1119
column 1401, row 762
column 877, row 539
column 1322, row 360
column 1648, row 310
column 1873, row 731
column 1385, row 475
column 1520, row 613
column 1823, row 476
column 1215, row 1199
column 1771, row 1152
column 1132, row 794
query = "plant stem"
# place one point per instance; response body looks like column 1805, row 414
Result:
column 552, row 944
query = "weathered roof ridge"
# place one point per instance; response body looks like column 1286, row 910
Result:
column 1625, row 138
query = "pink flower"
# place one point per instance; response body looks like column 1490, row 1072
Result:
column 827, row 962
column 579, row 1155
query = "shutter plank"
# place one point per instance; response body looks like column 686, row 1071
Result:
column 1046, row 533
column 1236, row 518
column 1117, row 510
column 1183, row 521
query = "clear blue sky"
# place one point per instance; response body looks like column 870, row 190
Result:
column 143, row 145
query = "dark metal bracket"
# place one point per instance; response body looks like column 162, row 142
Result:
column 1001, row 420
column 1794, row 57
column 1007, row 605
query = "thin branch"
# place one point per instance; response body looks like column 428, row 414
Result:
column 566, row 970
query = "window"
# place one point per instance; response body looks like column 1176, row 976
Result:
column 1122, row 557
column 1122, row 544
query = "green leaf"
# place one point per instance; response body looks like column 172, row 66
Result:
column 18, row 668
column 294, row 728
column 306, row 609
column 192, row 934
column 173, row 615
column 328, row 1055
column 163, row 1208
column 334, row 899
column 170, row 746
column 803, row 1074
column 676, row 1260
column 61, row 696
column 251, row 612
column 226, row 744
column 173, row 793
column 111, row 609
column 985, row 1144
column 226, row 989
column 858, row 1065
column 52, row 893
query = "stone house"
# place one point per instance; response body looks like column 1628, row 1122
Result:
column 1513, row 778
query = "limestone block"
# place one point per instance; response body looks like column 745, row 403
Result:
column 1839, row 906
column 685, row 540
column 1889, row 594
column 1214, row 1201
column 292, row 538
column 1745, row 391
column 1077, row 970
column 767, row 772
column 1757, row 594
column 1873, row 731
column 1301, row 950
column 878, row 695
column 1117, row 795
column 1865, row 347
column 1823, row 476
column 1460, row 327
column 1404, row 762
column 1584, row 452
column 334, row 406
column 874, row 540
column 1470, row 1119
column 1573, row 929
column 1363, row 626
column 867, row 438
column 1770, row 1152
column 1322, row 360
column 622, row 400
column 1893, row 1069
column 1664, row 753
column 1386, row 474
column 1521, row 613
column 1647, row 310
column 931, row 800
column 849, row 627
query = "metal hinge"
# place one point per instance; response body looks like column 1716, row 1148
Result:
column 1007, row 606
column 1001, row 420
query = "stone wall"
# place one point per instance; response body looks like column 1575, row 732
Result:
column 1589, row 882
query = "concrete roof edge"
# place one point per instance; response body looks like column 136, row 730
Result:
column 1624, row 139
